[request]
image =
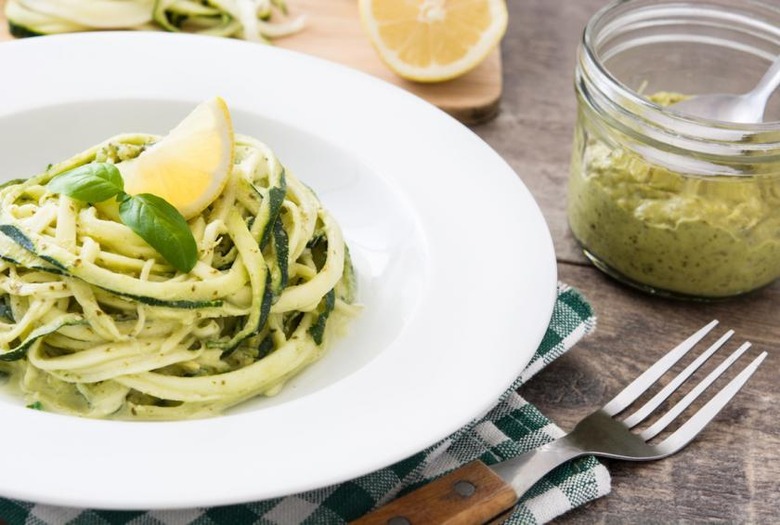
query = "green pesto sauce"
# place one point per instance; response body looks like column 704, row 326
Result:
column 704, row 237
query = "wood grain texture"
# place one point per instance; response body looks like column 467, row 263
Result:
column 334, row 32
column 441, row 502
column 731, row 473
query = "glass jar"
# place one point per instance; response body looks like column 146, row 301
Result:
column 666, row 202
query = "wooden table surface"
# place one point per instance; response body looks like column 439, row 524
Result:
column 730, row 473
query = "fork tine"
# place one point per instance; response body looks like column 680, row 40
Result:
column 691, row 396
column 648, row 408
column 638, row 386
column 683, row 435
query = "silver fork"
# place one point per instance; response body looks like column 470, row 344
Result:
column 474, row 494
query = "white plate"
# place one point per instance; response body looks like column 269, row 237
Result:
column 456, row 265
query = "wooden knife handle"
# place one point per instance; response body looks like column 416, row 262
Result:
column 471, row 494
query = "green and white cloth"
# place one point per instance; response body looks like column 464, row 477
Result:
column 511, row 427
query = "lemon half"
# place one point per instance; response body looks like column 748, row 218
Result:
column 434, row 40
column 189, row 166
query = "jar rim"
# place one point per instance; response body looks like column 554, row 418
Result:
column 626, row 104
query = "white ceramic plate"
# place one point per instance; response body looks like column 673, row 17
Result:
column 456, row 266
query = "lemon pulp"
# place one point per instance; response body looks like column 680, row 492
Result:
column 434, row 40
column 189, row 166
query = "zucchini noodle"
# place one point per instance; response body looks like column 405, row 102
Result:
column 93, row 322
column 253, row 20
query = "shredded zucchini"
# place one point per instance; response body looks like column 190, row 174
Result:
column 101, row 326
column 254, row 20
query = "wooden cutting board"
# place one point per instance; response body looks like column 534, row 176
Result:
column 333, row 31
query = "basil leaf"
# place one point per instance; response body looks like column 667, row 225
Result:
column 162, row 226
column 94, row 182
column 151, row 217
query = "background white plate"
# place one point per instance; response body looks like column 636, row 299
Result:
column 456, row 265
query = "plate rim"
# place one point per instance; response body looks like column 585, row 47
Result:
column 312, row 66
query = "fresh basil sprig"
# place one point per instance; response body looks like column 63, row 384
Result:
column 154, row 219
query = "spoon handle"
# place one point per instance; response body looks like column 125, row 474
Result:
column 769, row 82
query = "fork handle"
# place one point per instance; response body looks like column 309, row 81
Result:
column 474, row 493
column 523, row 471
column 471, row 494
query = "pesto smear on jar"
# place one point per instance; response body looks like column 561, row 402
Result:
column 681, row 234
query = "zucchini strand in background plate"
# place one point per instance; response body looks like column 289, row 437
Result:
column 93, row 322
column 254, row 20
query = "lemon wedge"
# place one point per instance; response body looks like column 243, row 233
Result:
column 189, row 166
column 433, row 40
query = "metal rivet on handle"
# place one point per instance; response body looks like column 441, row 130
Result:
column 399, row 520
column 465, row 488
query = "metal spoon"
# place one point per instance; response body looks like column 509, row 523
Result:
column 746, row 109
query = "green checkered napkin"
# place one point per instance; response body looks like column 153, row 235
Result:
column 511, row 427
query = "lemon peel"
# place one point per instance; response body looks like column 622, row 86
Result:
column 189, row 166
column 434, row 40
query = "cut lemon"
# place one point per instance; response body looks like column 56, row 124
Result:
column 188, row 167
column 434, row 40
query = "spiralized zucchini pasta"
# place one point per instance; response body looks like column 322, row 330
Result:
column 253, row 20
column 93, row 322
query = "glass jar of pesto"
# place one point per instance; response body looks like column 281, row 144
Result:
column 669, row 203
